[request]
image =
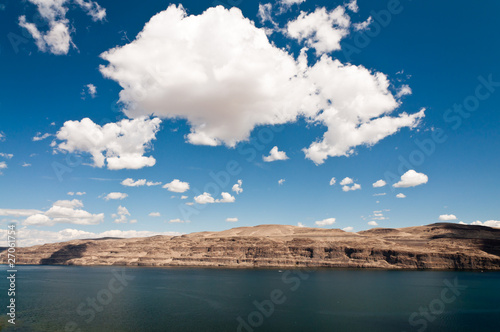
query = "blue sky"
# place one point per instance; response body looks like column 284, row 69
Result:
column 201, row 89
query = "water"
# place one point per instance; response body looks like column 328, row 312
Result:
column 54, row 298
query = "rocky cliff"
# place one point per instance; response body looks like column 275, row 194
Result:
column 436, row 246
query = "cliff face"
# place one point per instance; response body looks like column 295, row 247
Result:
column 437, row 246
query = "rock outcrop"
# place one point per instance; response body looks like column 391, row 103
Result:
column 436, row 246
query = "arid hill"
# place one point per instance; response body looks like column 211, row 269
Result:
column 436, row 246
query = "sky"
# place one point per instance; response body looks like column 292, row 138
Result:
column 170, row 118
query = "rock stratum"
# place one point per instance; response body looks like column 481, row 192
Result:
column 436, row 246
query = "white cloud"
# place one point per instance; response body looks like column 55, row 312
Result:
column 91, row 90
column 281, row 181
column 351, row 188
column 30, row 237
column 489, row 223
column 380, row 194
column 290, row 2
column 184, row 197
column 348, row 229
column 237, row 187
column 401, row 195
column 379, row 184
column 325, row 222
column 131, row 183
column 57, row 38
column 121, row 215
column 332, row 181
column 79, row 193
column 346, row 181
column 25, row 164
column 3, row 165
column 320, row 30
column 372, row 223
column 353, row 6
column 204, row 198
column 93, row 9
column 299, row 224
column 122, row 144
column 19, row 212
column 64, row 211
column 231, row 219
column 242, row 81
column 154, row 214
column 411, row 179
column 115, row 195
column 6, row 155
column 189, row 203
column 403, row 91
column 177, row 186
column 447, row 217
column 40, row 137
column 2, row 136
column 274, row 155
column 265, row 13
column 363, row 25
column 178, row 221
column 226, row 198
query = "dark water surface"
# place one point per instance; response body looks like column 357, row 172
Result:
column 62, row 298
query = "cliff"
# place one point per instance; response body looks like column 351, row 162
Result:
column 436, row 246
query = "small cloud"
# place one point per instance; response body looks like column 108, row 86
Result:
column 204, row 198
column 25, row 164
column 121, row 215
column 379, row 184
column 154, row 214
column 131, row 183
column 231, row 219
column 178, row 221
column 372, row 223
column 380, row 194
column 403, row 91
column 89, row 90
column 300, row 224
column 348, row 229
column 189, row 203
column 351, row 188
column 346, row 181
column 325, row 222
column 237, row 187
column 363, row 25
column 40, row 137
column 447, row 217
column 353, row 6
column 6, row 155
column 115, row 195
column 281, row 181
column 489, row 223
column 274, row 155
column 401, row 195
column 332, row 181
column 411, row 179
column 226, row 198
column 177, row 186
column 184, row 197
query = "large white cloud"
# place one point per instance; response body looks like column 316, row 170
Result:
column 121, row 145
column 489, row 223
column 64, row 212
column 57, row 38
column 411, row 179
column 31, row 237
column 223, row 75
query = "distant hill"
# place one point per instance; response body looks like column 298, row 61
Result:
column 436, row 246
